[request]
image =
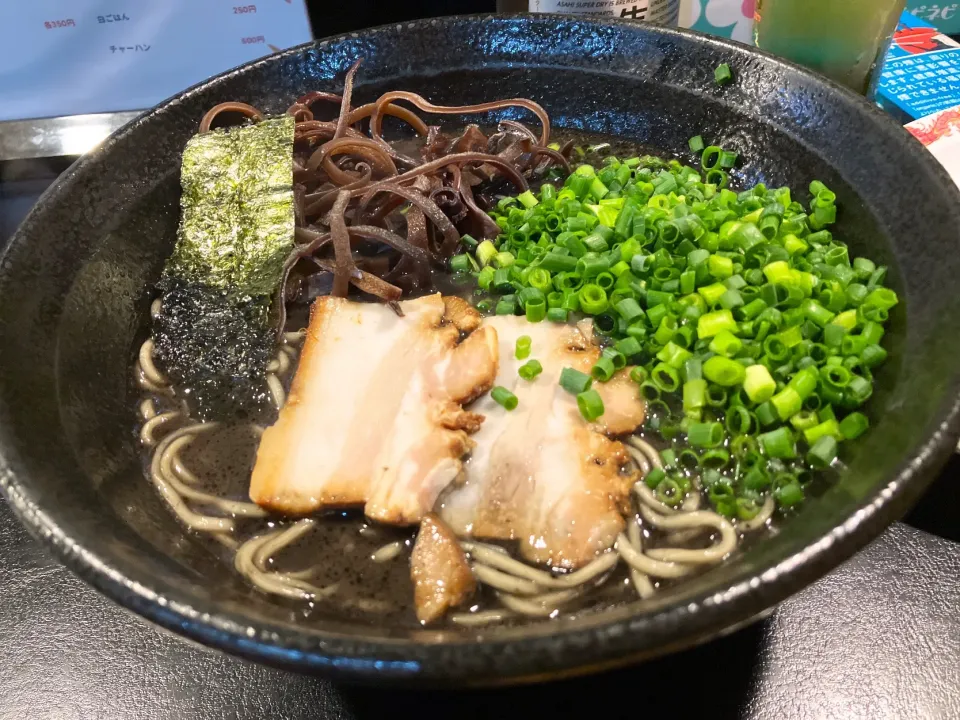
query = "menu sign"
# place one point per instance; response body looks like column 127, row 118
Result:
column 70, row 57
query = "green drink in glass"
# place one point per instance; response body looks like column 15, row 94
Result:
column 845, row 40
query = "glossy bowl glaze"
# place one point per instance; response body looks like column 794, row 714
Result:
column 75, row 283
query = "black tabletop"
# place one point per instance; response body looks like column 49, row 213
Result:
column 877, row 638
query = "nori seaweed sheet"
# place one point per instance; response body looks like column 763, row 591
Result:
column 236, row 229
column 215, row 349
column 213, row 334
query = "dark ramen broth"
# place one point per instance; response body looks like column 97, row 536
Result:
column 341, row 545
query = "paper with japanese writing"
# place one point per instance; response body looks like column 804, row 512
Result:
column 71, row 57
column 921, row 75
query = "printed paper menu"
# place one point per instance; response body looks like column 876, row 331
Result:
column 69, row 57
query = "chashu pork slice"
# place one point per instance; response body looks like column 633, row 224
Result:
column 541, row 474
column 374, row 414
column 439, row 571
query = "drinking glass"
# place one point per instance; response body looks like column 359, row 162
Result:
column 845, row 40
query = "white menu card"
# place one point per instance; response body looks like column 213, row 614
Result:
column 71, row 57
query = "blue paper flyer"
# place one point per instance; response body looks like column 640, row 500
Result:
column 922, row 72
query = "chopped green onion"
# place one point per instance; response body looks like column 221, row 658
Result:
column 694, row 395
column 530, row 369
column 650, row 391
column 692, row 369
column 596, row 243
column 665, row 377
column 836, row 376
column 882, row 298
column 461, row 263
column 674, row 355
column 756, row 479
column 710, row 160
column 722, row 74
column 823, row 452
column 536, row 309
column 696, row 144
column 789, row 495
column 847, row 319
column 712, row 323
column 688, row 459
column 724, row 371
column 554, row 262
column 557, row 315
column 485, row 277
column 739, row 420
column 726, row 343
column 590, row 266
column 527, row 199
column 501, row 280
column 485, row 253
column 828, row 427
column 747, row 508
column 638, row 374
column 731, row 300
column 666, row 330
column 618, row 358
column 775, row 349
column 654, row 477
column 590, row 404
column 804, row 382
column 504, row 259
column 571, row 302
column 877, row 278
column 506, row 307
column 716, row 396
column 603, row 369
column 593, row 299
column 706, row 435
column 872, row 332
column 720, row 267
column 814, row 311
column 540, row 279
column 804, row 420
column 668, row 492
column 712, row 293
column 759, row 384
column 574, row 381
column 833, row 336
column 629, row 309
column 723, row 498
column 504, row 397
column 715, row 459
column 522, row 350
column 767, row 414
column 628, row 347
column 854, row 425
column 778, row 443
column 787, row 403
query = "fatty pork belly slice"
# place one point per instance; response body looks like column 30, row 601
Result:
column 374, row 415
column 541, row 474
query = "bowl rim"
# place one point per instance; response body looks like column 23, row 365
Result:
column 384, row 660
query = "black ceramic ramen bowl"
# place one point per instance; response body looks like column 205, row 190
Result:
column 76, row 278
